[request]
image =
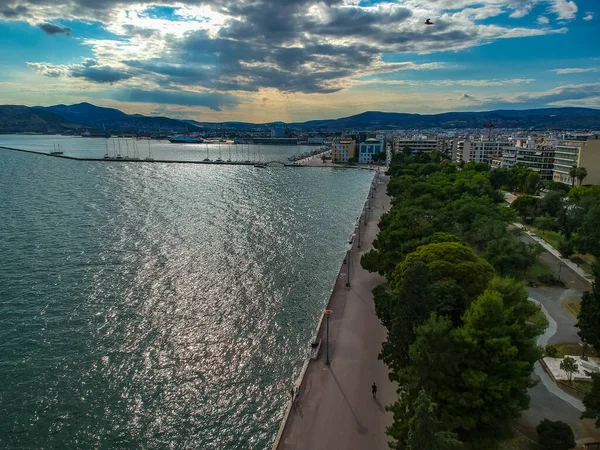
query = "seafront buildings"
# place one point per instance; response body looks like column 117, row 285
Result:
column 368, row 149
column 343, row 150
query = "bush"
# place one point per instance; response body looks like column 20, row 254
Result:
column 549, row 279
column 551, row 351
column 566, row 248
column 555, row 435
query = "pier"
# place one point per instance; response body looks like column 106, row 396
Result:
column 154, row 160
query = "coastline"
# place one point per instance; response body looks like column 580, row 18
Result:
column 336, row 301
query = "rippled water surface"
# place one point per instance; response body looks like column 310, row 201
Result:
column 157, row 305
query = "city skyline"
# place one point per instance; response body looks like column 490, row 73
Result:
column 262, row 61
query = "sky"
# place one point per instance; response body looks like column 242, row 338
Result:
column 297, row 60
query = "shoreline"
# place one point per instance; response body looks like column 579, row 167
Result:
column 352, row 256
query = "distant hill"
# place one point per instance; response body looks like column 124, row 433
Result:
column 18, row 118
column 15, row 118
column 547, row 118
column 98, row 118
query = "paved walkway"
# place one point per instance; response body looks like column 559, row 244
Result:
column 570, row 264
column 336, row 409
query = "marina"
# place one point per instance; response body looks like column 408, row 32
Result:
column 149, row 159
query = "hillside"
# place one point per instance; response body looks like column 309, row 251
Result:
column 113, row 120
column 18, row 118
column 85, row 115
column 547, row 118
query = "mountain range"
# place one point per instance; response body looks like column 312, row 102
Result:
column 74, row 118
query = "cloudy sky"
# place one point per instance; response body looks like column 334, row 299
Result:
column 292, row 60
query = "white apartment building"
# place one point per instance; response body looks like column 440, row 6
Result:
column 532, row 153
column 480, row 151
column 418, row 144
column 578, row 151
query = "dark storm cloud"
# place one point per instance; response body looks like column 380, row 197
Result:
column 212, row 100
column 100, row 74
column 88, row 70
column 48, row 28
column 13, row 12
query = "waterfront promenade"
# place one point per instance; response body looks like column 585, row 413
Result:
column 335, row 408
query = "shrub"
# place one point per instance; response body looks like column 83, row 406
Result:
column 555, row 435
column 550, row 351
column 549, row 279
column 566, row 248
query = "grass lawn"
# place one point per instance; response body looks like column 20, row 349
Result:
column 551, row 237
column 539, row 268
column 584, row 261
column 518, row 443
column 572, row 349
column 573, row 307
column 539, row 318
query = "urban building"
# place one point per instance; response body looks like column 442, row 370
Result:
column 367, row 149
column 480, row 151
column 418, row 144
column 342, row 150
column 578, row 151
column 533, row 153
column 278, row 132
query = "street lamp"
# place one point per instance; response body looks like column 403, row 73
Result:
column 360, row 217
column 348, row 269
column 560, row 266
column 327, row 313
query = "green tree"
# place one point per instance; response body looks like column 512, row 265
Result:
column 569, row 365
column 581, row 174
column 532, row 182
column 545, row 222
column 592, row 401
column 527, row 207
column 551, row 351
column 479, row 373
column 588, row 320
column 451, row 261
column 552, row 203
column 555, row 435
column 424, row 428
column 588, row 235
column 508, row 255
column 573, row 172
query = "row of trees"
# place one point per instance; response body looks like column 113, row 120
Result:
column 460, row 341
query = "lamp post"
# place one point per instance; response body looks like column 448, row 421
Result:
column 327, row 313
column 348, row 269
column 560, row 266
column 360, row 217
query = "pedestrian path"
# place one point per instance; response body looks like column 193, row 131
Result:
column 336, row 408
column 574, row 267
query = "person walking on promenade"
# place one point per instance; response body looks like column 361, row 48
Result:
column 374, row 390
column 297, row 394
column 292, row 394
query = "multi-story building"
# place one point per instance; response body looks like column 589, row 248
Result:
column 578, row 151
column 532, row 153
column 418, row 145
column 342, row 150
column 367, row 149
column 481, row 151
